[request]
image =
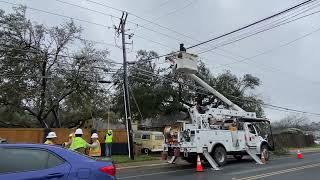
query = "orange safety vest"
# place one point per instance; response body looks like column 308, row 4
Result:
column 95, row 151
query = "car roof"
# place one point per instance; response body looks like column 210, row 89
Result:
column 29, row 145
column 66, row 154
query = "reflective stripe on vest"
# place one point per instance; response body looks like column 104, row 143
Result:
column 77, row 143
column 95, row 151
column 108, row 138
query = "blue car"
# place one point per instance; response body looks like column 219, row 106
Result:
column 47, row 162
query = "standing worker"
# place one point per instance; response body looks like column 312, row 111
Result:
column 79, row 144
column 50, row 139
column 69, row 142
column 95, row 148
column 108, row 142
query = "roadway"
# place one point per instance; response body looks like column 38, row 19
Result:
column 284, row 168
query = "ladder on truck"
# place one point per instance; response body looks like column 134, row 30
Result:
column 253, row 153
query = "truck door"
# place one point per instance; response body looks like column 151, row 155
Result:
column 251, row 135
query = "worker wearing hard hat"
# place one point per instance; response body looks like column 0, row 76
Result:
column 50, row 138
column 95, row 148
column 108, row 142
column 79, row 144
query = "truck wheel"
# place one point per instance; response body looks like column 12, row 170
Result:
column 264, row 148
column 220, row 155
column 238, row 156
column 146, row 151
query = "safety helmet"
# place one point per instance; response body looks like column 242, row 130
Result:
column 79, row 131
column 109, row 131
column 51, row 135
column 94, row 135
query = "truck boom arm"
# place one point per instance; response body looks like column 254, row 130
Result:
column 215, row 92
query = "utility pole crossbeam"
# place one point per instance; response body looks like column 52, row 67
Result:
column 121, row 29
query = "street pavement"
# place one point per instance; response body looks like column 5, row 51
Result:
column 284, row 168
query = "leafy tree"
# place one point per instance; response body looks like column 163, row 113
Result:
column 47, row 70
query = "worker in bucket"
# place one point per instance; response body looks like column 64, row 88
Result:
column 108, row 142
column 50, row 139
column 79, row 144
column 95, row 148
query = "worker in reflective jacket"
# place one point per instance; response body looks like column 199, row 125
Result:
column 108, row 142
column 95, row 148
column 50, row 138
column 79, row 144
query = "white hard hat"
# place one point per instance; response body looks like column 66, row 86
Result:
column 78, row 131
column 94, row 135
column 51, row 135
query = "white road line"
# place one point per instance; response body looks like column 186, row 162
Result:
column 151, row 174
column 279, row 172
column 148, row 165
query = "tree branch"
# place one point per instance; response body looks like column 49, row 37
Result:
column 57, row 103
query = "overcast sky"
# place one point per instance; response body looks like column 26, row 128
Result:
column 289, row 74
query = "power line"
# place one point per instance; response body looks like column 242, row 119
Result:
column 60, row 15
column 282, row 19
column 34, row 51
column 257, row 32
column 275, row 48
column 191, row 2
column 144, row 19
column 168, row 54
column 252, row 24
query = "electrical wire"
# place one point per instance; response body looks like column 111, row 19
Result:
column 111, row 61
column 60, row 15
column 273, row 49
column 252, row 24
column 257, row 32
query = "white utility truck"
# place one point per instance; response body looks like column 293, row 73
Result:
column 215, row 132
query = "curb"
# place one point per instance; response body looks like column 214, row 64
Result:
column 148, row 165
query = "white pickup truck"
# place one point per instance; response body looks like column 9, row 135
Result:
column 214, row 132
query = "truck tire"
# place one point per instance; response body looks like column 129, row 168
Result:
column 145, row 151
column 265, row 148
column 238, row 156
column 220, row 155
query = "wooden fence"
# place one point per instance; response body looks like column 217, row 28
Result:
column 36, row 135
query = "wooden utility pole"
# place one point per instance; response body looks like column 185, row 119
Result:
column 122, row 30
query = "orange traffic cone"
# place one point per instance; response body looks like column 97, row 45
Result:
column 263, row 158
column 199, row 165
column 299, row 154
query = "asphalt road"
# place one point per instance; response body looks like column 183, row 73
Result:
column 284, row 168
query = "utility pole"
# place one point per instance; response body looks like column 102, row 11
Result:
column 121, row 29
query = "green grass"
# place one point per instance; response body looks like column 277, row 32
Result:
column 118, row 159
column 315, row 146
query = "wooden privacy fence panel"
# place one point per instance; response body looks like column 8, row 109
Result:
column 36, row 135
column 22, row 135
